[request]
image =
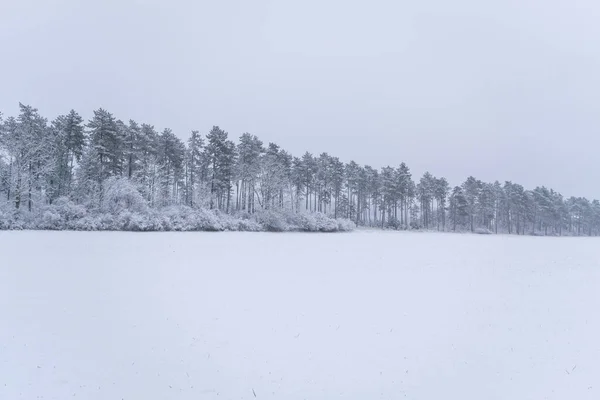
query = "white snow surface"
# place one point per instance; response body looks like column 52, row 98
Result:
column 363, row 315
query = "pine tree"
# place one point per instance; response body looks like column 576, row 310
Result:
column 337, row 181
column 195, row 163
column 148, row 149
column 425, row 189
column 70, row 142
column 308, row 167
column 352, row 172
column 220, row 155
column 132, row 148
column 108, row 142
column 441, row 189
column 373, row 194
column 471, row 188
column 405, row 184
column 388, row 184
column 171, row 152
column 485, row 205
column 249, row 149
column 273, row 175
column 35, row 151
column 459, row 208
column 88, row 185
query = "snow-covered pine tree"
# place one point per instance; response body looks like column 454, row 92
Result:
column 70, row 142
column 247, row 170
column 171, row 152
column 194, row 167
column 220, row 155
column 107, row 139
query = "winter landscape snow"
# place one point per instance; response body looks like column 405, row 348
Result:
column 234, row 315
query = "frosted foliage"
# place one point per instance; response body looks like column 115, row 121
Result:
column 128, row 212
column 120, row 195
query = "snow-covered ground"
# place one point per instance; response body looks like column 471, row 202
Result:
column 363, row 315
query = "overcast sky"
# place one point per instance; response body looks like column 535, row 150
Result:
column 506, row 90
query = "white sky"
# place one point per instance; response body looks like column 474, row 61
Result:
column 506, row 90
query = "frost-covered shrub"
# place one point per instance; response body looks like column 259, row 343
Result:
column 127, row 222
column 393, row 223
column 5, row 217
column 204, row 220
column 21, row 219
column 316, row 222
column 325, row 224
column 18, row 225
column 174, row 218
column 124, row 209
column 51, row 220
column 120, row 194
column 239, row 222
column 483, row 231
column 61, row 214
column 207, row 220
column 136, row 222
column 345, row 225
column 5, row 220
column 183, row 218
column 108, row 222
column 87, row 223
column 247, row 226
column 67, row 209
column 272, row 221
column 306, row 222
column 280, row 221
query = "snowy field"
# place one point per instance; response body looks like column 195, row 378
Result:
column 363, row 315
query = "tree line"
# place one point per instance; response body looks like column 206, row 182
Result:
column 42, row 161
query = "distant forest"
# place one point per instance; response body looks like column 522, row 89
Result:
column 69, row 170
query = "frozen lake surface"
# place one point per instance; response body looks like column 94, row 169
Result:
column 363, row 315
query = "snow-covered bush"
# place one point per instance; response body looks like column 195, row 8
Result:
column 324, row 223
column 67, row 209
column 21, row 219
column 239, row 222
column 184, row 218
column 87, row 223
column 120, row 194
column 203, row 220
column 247, row 226
column 483, row 231
column 61, row 214
column 108, row 222
column 345, row 225
column 175, row 218
column 271, row 220
column 51, row 220
column 124, row 209
column 135, row 222
column 280, row 221
column 316, row 222
column 306, row 222
column 393, row 223
column 5, row 220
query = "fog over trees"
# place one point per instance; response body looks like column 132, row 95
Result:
column 105, row 173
